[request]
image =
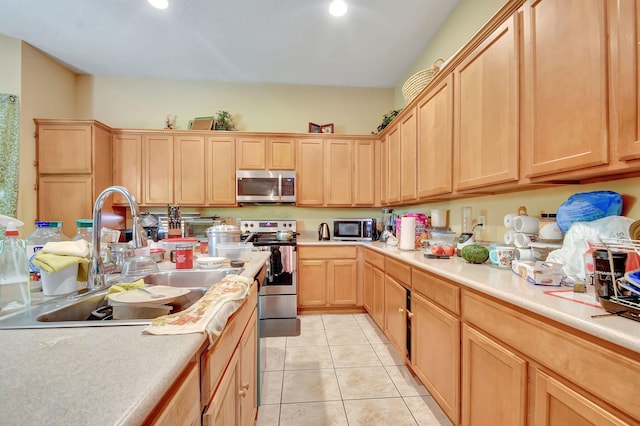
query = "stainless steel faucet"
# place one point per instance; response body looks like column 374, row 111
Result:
column 96, row 276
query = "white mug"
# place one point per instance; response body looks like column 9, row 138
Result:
column 524, row 253
column 550, row 231
column 524, row 240
column 501, row 256
column 508, row 220
column 526, row 224
column 509, row 236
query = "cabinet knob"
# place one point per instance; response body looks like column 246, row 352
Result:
column 400, row 310
column 245, row 386
column 242, row 393
column 409, row 314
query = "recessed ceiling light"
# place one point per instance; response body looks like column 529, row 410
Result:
column 159, row 4
column 338, row 8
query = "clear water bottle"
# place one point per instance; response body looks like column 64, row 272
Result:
column 35, row 241
column 56, row 227
column 14, row 272
column 84, row 230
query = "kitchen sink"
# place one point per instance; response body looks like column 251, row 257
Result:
column 92, row 310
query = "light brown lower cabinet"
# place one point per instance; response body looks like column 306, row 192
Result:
column 183, row 407
column 373, row 286
column 235, row 400
column 395, row 315
column 494, row 381
column 435, row 353
column 327, row 276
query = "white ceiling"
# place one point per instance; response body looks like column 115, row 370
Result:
column 265, row 41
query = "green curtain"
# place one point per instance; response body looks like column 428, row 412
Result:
column 9, row 153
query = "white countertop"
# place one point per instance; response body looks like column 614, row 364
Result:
column 503, row 284
column 92, row 375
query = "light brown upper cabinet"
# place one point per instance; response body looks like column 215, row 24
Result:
column 260, row 153
column 157, row 169
column 74, row 164
column 127, row 165
column 310, row 173
column 566, row 62
column 486, row 121
column 364, row 173
column 392, row 164
column 338, row 187
column 190, row 170
column 435, row 140
column 221, row 174
column 408, row 152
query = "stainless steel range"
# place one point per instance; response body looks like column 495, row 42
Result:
column 278, row 296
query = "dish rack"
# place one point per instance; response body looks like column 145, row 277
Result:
column 625, row 305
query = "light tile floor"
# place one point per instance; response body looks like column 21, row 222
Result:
column 341, row 370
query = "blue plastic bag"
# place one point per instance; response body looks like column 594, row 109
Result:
column 588, row 206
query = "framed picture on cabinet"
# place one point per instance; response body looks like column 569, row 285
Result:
column 320, row 128
column 202, row 123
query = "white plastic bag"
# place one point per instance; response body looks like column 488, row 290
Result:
column 577, row 239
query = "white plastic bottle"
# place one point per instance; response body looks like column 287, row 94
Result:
column 14, row 269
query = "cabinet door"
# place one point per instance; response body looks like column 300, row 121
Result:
column 556, row 404
column 127, row 165
column 183, row 407
column 384, row 171
column 312, row 283
column 566, row 100
column 310, row 176
column 190, row 171
column 486, row 149
column 65, row 198
column 393, row 165
column 367, row 288
column 435, row 353
column 225, row 408
column 64, row 148
column 378, row 297
column 338, row 186
column 435, row 140
column 395, row 319
column 248, row 394
column 408, row 148
column 221, row 173
column 494, row 381
column 281, row 154
column 342, row 282
column 157, row 169
column 364, row 181
column 251, row 153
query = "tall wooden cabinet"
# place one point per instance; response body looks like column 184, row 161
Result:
column 365, row 178
column 73, row 162
column 338, row 185
column 435, row 140
column 486, row 122
column 408, row 153
column 310, row 175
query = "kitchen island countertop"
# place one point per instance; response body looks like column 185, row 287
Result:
column 92, row 375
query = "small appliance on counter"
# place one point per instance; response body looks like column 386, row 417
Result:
column 354, row 229
column 323, row 232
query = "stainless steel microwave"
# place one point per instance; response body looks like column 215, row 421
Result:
column 354, row 229
column 265, row 186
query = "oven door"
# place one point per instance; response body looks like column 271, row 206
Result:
column 278, row 296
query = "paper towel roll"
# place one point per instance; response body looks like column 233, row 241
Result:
column 407, row 233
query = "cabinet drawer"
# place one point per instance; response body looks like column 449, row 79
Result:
column 375, row 258
column 335, row 252
column 399, row 271
column 436, row 289
column 575, row 358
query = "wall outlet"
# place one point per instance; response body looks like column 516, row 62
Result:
column 481, row 222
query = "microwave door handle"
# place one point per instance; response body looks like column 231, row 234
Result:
column 280, row 186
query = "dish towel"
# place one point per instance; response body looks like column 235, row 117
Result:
column 79, row 248
column 121, row 287
column 51, row 263
column 210, row 313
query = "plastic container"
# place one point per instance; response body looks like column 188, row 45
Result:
column 234, row 251
column 35, row 241
column 442, row 236
column 14, row 268
column 56, row 228
column 84, row 230
column 61, row 282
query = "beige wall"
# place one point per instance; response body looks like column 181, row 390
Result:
column 145, row 103
column 48, row 90
column 10, row 51
column 463, row 22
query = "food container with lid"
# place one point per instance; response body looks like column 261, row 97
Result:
column 234, row 251
column 221, row 234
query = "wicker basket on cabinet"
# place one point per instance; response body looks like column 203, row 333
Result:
column 419, row 80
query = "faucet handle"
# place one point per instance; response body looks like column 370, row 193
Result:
column 139, row 236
